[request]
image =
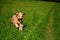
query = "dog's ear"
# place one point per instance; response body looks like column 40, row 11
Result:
column 23, row 13
column 17, row 13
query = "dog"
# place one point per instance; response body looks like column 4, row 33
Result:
column 17, row 20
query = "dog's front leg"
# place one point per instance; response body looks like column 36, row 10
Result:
column 21, row 27
column 16, row 25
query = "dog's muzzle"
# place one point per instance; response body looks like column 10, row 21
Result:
column 20, row 20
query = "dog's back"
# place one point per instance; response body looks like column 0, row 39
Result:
column 14, row 19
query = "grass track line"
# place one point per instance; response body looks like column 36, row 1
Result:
column 50, row 26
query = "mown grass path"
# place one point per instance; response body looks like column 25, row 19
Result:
column 50, row 31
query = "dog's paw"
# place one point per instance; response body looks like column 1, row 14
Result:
column 21, row 27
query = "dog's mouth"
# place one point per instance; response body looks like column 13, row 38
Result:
column 19, row 19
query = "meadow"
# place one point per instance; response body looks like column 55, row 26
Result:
column 41, row 20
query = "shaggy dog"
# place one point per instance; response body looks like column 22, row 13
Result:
column 17, row 20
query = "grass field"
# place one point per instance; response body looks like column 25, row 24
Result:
column 41, row 20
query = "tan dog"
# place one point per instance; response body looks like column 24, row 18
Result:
column 17, row 20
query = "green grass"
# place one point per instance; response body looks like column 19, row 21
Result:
column 56, row 25
column 36, row 19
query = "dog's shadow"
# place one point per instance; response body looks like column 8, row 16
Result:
column 24, row 26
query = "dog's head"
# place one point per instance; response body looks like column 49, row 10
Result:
column 20, row 15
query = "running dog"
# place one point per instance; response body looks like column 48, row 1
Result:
column 17, row 20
